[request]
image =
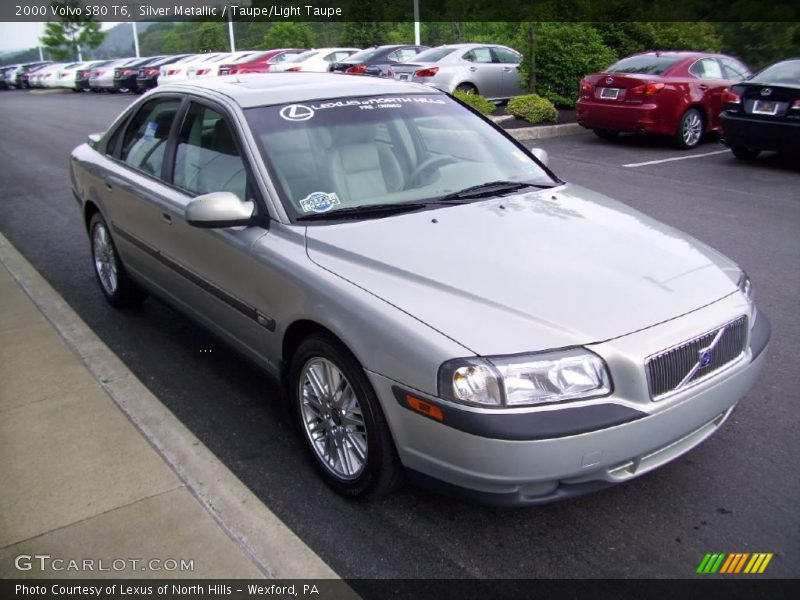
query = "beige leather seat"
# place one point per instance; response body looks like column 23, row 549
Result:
column 362, row 169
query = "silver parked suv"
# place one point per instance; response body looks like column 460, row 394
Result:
column 436, row 301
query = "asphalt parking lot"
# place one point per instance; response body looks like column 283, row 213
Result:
column 738, row 492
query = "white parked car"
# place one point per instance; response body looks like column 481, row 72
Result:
column 102, row 78
column 179, row 70
column 67, row 76
column 46, row 77
column 211, row 67
column 317, row 61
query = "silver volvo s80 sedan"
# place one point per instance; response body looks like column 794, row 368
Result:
column 435, row 300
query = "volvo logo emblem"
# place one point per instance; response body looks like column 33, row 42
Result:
column 705, row 358
column 609, row 80
column 297, row 112
column 766, row 91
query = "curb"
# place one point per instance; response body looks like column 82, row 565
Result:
column 542, row 132
column 272, row 546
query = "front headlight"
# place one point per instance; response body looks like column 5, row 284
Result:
column 746, row 287
column 525, row 380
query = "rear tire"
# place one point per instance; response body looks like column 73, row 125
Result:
column 606, row 134
column 341, row 420
column 467, row 88
column 744, row 153
column 690, row 129
column 116, row 285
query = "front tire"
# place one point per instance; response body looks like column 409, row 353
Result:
column 116, row 285
column 341, row 420
column 744, row 153
column 690, row 129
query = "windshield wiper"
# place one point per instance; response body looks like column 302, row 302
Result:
column 364, row 211
column 492, row 188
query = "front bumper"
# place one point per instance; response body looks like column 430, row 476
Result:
column 778, row 136
column 633, row 118
column 519, row 472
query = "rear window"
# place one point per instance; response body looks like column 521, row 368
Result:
column 365, row 55
column 782, row 73
column 433, row 55
column 646, row 65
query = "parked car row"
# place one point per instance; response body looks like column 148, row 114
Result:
column 487, row 69
column 686, row 95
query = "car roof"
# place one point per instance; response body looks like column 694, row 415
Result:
column 254, row 89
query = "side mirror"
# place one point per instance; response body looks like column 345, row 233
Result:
column 541, row 154
column 94, row 139
column 219, row 209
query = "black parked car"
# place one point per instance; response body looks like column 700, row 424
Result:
column 125, row 76
column 763, row 112
column 147, row 78
column 376, row 61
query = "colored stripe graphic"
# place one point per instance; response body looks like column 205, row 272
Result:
column 722, row 563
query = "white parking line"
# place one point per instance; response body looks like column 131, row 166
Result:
column 663, row 160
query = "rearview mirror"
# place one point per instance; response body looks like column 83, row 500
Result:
column 541, row 154
column 219, row 209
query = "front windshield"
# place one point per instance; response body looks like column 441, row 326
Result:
column 330, row 155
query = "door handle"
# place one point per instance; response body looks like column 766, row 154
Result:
column 506, row 69
column 109, row 187
column 166, row 218
column 473, row 69
column 703, row 86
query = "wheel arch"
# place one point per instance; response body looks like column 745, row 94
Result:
column 89, row 210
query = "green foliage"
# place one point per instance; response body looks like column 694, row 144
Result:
column 363, row 34
column 476, row 101
column 630, row 37
column 532, row 108
column 289, row 34
column 760, row 44
column 212, row 37
column 64, row 38
column 564, row 53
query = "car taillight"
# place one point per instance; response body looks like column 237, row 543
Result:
column 202, row 71
column 586, row 87
column 429, row 72
column 796, row 105
column 356, row 69
column 127, row 72
column 151, row 72
column 649, row 89
column 294, row 69
column 390, row 72
column 731, row 97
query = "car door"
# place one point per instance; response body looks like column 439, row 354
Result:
column 133, row 189
column 710, row 87
column 213, row 268
column 512, row 82
column 486, row 74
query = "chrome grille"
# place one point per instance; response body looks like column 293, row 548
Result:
column 696, row 359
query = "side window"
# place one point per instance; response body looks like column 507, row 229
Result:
column 206, row 158
column 145, row 139
column 734, row 70
column 407, row 54
column 478, row 55
column 504, row 55
column 706, row 68
column 396, row 56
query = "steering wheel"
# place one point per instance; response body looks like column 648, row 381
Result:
column 426, row 165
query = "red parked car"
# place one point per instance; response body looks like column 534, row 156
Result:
column 679, row 94
column 262, row 62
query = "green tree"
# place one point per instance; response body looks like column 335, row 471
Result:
column 289, row 34
column 64, row 38
column 564, row 53
column 760, row 44
column 212, row 36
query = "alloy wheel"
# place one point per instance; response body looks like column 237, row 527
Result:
column 332, row 418
column 692, row 129
column 104, row 260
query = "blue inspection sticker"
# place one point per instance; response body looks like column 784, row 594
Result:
column 319, row 202
column 150, row 131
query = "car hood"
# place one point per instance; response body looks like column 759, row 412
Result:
column 535, row 271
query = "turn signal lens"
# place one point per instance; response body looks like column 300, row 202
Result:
column 426, row 408
column 427, row 72
column 356, row 69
